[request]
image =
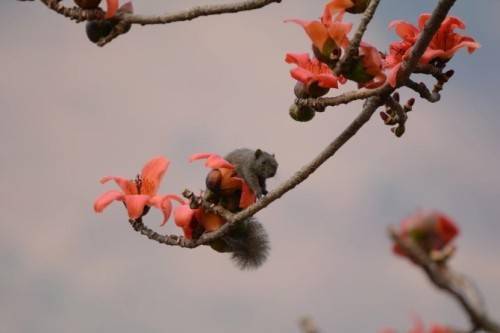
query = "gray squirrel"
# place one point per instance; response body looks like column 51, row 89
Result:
column 254, row 166
column 247, row 241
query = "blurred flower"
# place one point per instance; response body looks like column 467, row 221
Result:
column 419, row 328
column 431, row 231
column 140, row 193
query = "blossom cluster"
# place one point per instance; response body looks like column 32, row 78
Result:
column 370, row 68
column 141, row 193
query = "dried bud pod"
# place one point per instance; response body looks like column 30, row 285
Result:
column 300, row 90
column 398, row 131
column 213, row 180
column 88, row 4
column 358, row 7
column 316, row 91
column 98, row 29
column 301, row 113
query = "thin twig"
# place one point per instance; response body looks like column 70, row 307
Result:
column 443, row 278
column 344, row 98
column 79, row 14
column 423, row 91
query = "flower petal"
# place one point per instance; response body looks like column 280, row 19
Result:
column 183, row 215
column 106, row 198
column 125, row 184
column 405, row 30
column 112, row 7
column 213, row 161
column 135, row 204
column 164, row 204
column 153, row 172
column 247, row 196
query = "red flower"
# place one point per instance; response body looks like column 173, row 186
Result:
column 229, row 179
column 419, row 328
column 429, row 230
column 309, row 71
column 140, row 192
column 368, row 72
column 445, row 43
column 328, row 33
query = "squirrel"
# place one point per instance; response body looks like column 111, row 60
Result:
column 247, row 241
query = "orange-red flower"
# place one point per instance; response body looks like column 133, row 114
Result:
column 429, row 230
column 445, row 43
column 229, row 179
column 329, row 32
column 309, row 71
column 419, row 328
column 141, row 192
column 368, row 72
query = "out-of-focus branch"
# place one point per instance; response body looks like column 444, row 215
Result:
column 79, row 14
column 443, row 278
column 307, row 325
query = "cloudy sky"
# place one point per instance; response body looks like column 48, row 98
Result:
column 73, row 112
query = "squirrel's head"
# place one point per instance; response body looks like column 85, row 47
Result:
column 266, row 163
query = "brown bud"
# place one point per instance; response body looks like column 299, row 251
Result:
column 213, row 180
column 88, row 4
column 300, row 90
column 301, row 113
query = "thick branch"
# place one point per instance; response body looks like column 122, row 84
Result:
column 446, row 280
column 79, row 14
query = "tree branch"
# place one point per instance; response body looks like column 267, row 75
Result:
column 378, row 98
column 79, row 14
column 443, row 278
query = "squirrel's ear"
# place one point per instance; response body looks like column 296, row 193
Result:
column 274, row 155
column 258, row 152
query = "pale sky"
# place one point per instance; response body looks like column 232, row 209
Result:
column 73, row 112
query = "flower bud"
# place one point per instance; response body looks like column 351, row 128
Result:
column 98, row 29
column 301, row 113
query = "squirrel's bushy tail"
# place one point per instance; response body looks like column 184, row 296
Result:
column 249, row 244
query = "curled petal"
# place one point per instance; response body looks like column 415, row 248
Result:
column 164, row 204
column 317, row 31
column 338, row 32
column 214, row 161
column 392, row 77
column 128, row 8
column 135, row 204
column 405, row 30
column 247, row 196
column 199, row 156
column 112, row 8
column 125, row 184
column 106, row 198
column 183, row 215
column 337, row 6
